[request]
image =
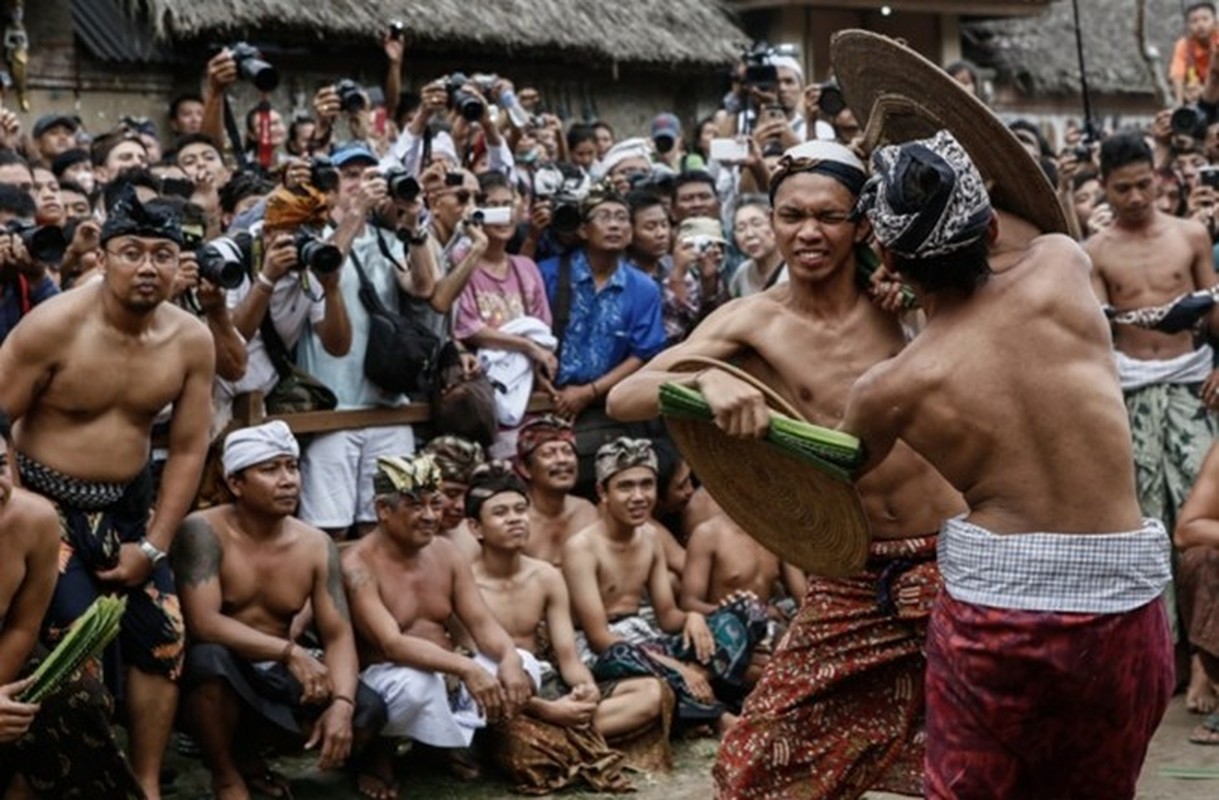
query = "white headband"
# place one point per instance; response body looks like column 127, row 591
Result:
column 249, row 446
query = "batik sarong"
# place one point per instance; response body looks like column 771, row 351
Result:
column 95, row 519
column 541, row 758
column 272, row 692
column 1049, row 663
column 839, row 708
column 70, row 751
column 737, row 628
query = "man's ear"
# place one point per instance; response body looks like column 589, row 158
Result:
column 475, row 527
column 863, row 229
column 992, row 230
column 234, row 482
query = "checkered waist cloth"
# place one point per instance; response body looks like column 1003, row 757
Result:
column 1091, row 573
column 65, row 489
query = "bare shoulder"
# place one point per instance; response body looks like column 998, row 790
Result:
column 543, row 572
column 52, row 324
column 29, row 518
column 190, row 331
column 1191, row 229
column 706, row 533
column 581, row 543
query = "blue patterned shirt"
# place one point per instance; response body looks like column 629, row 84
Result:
column 608, row 326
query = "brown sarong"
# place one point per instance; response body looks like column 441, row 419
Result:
column 540, row 758
column 839, row 708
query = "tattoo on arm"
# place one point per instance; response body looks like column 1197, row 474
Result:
column 195, row 555
column 356, row 577
column 334, row 581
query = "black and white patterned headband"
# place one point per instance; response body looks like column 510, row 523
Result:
column 926, row 198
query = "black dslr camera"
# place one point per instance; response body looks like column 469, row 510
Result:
column 760, row 73
column 226, row 261
column 1192, row 121
column 323, row 175
column 564, row 186
column 401, row 184
column 312, row 253
column 468, row 105
column 252, row 68
column 351, row 96
column 44, row 243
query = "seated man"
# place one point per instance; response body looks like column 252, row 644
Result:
column 62, row 747
column 245, row 570
column 525, row 594
column 723, row 560
column 546, row 457
column 405, row 583
column 612, row 564
column 456, row 458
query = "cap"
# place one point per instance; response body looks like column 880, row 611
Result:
column 351, row 153
column 666, row 125
column 67, row 159
column 45, row 123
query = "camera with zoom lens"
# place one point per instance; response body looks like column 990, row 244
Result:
column 227, row 260
column 831, row 102
column 402, row 185
column 760, row 72
column 44, row 243
column 351, row 96
column 468, row 105
column 397, row 30
column 323, row 175
column 1191, row 121
column 312, row 253
column 252, row 68
column 565, row 186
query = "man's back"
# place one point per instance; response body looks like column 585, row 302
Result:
column 1012, row 395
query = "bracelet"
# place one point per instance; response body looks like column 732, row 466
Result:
column 287, row 653
column 264, row 282
column 343, row 698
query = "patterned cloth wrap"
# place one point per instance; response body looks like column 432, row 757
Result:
column 839, row 709
column 737, row 628
column 95, row 519
column 70, row 751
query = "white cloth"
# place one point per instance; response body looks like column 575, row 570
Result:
column 418, row 704
column 627, row 148
column 246, row 447
column 1192, row 367
column 1077, row 573
column 513, row 370
column 337, row 473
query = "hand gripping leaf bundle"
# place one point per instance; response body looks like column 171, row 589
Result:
column 792, row 491
column 87, row 637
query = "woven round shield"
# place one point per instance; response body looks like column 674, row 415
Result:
column 805, row 515
column 897, row 95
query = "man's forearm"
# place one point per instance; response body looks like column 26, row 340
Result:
column 179, row 483
column 244, row 640
column 342, row 663
column 335, row 328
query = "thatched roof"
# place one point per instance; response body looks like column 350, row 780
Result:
column 668, row 33
column 1037, row 54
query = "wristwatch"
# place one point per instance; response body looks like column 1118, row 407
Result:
column 155, row 554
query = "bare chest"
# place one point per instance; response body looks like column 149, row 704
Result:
column 519, row 606
column 1145, row 272
column 272, row 581
column 623, row 571
column 744, row 565
column 546, row 538
column 415, row 596
column 139, row 380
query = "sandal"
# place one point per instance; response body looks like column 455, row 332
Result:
column 268, row 783
column 1207, row 732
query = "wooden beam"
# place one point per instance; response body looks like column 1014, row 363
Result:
column 979, row 8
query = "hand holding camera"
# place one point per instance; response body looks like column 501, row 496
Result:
column 327, row 105
column 13, row 255
column 372, row 192
column 221, row 72
column 280, row 258
column 187, row 276
column 395, row 41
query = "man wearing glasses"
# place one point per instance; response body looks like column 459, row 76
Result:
column 86, row 375
column 607, row 315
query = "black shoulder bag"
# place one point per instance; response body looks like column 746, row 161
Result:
column 402, row 353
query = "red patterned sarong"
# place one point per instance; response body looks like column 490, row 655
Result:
column 839, row 709
column 1032, row 704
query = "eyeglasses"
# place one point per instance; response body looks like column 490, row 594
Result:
column 603, row 217
column 132, row 255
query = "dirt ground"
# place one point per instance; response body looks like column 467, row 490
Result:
column 1170, row 758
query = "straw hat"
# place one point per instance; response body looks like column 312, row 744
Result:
column 913, row 98
column 805, row 515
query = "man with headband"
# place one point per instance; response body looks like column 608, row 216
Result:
column 846, row 657
column 245, row 570
column 405, row 583
column 86, row 374
column 1049, row 663
column 546, row 458
column 560, row 736
column 616, row 564
column 457, row 459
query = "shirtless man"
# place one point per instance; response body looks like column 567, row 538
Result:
column 722, row 559
column 524, row 593
column 86, row 374
column 245, row 570
column 802, row 707
column 1046, row 632
column 618, row 561
column 35, row 744
column 1148, row 258
column 404, row 583
column 457, row 458
column 546, row 457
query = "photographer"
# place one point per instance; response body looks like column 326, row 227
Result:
column 285, row 292
column 24, row 282
column 337, row 468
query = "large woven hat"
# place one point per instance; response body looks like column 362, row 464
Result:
column 897, row 95
column 807, row 514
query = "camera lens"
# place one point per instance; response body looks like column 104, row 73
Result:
column 45, row 243
column 565, row 219
column 318, row 256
